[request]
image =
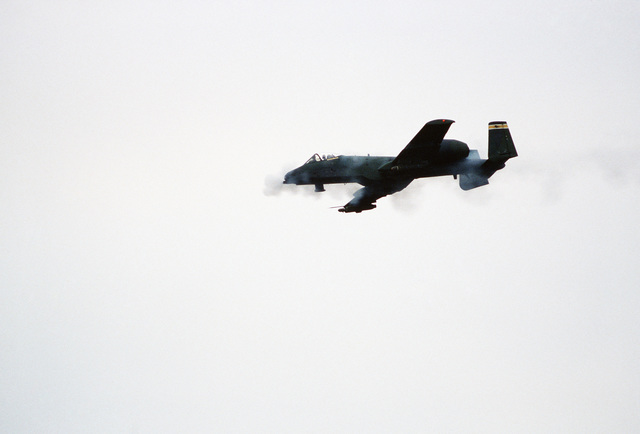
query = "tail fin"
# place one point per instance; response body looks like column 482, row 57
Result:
column 501, row 146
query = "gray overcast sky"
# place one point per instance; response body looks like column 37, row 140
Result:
column 148, row 284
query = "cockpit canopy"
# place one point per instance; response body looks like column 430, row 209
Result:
column 318, row 157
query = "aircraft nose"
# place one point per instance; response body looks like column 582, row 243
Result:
column 296, row 176
column 288, row 178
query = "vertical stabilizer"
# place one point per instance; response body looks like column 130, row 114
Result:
column 501, row 146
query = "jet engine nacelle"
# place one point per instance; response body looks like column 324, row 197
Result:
column 450, row 151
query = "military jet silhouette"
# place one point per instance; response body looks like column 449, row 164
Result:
column 427, row 154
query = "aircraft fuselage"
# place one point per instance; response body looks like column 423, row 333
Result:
column 453, row 159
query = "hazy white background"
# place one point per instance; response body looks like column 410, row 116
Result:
column 148, row 283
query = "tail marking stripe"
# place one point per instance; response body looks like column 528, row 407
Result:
column 498, row 127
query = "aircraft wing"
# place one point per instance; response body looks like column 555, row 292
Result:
column 366, row 197
column 363, row 200
column 426, row 142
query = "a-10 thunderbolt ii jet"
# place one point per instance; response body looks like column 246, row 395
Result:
column 428, row 154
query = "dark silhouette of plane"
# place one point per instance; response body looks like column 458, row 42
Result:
column 427, row 154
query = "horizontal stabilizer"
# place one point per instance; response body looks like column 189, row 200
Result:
column 470, row 181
